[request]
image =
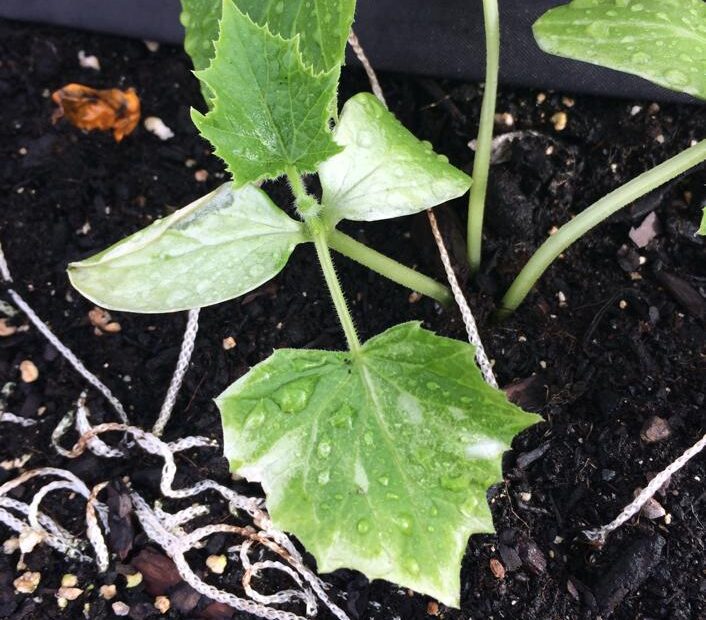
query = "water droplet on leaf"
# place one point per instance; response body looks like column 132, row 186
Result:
column 676, row 77
column 405, row 523
column 324, row 449
column 365, row 138
column 454, row 483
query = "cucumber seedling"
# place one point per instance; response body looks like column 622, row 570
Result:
column 378, row 457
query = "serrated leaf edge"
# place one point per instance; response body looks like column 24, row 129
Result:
column 214, row 101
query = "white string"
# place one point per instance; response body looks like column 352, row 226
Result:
column 93, row 531
column 177, row 519
column 174, row 547
column 253, row 506
column 68, row 355
column 284, row 596
column 63, row 545
column 97, row 445
column 39, row 527
column 466, row 314
column 11, row 418
column 600, row 535
column 152, row 444
column 469, row 321
column 367, row 65
column 187, row 349
column 66, row 543
column 56, row 536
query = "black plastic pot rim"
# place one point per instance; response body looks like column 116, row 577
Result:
column 444, row 38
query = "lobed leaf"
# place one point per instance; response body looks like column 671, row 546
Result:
column 383, row 171
column 322, row 25
column 269, row 111
column 200, row 20
column 378, row 462
column 217, row 248
column 661, row 40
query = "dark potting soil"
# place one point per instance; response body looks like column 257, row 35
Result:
column 612, row 335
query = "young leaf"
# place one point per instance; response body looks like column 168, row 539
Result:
column 383, row 170
column 219, row 247
column 661, row 40
column 269, row 111
column 323, row 26
column 200, row 20
column 702, row 229
column 378, row 462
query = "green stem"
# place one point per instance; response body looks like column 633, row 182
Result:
column 388, row 267
column 318, row 234
column 306, row 204
column 308, row 207
column 296, row 183
column 594, row 215
column 481, row 164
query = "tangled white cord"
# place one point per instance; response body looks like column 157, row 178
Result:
column 176, row 545
column 285, row 596
column 164, row 528
column 38, row 527
column 11, row 418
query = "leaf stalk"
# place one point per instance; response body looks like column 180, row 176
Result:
column 594, row 215
column 481, row 164
column 318, row 234
column 388, row 267
column 309, row 207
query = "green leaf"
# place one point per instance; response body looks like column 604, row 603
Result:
column 661, row 40
column 200, row 20
column 323, row 26
column 378, row 462
column 383, row 170
column 270, row 112
column 219, row 247
column 702, row 229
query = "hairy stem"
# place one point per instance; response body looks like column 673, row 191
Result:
column 481, row 164
column 318, row 235
column 308, row 207
column 594, row 215
column 306, row 204
column 388, row 267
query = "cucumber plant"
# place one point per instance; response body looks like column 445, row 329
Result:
column 377, row 457
column 661, row 40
